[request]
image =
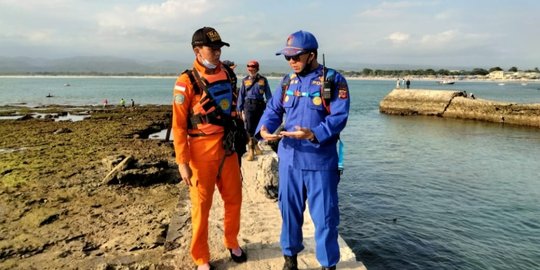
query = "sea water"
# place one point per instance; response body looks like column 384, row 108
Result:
column 435, row 193
column 416, row 193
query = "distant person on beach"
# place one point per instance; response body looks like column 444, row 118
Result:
column 204, row 118
column 122, row 103
column 408, row 83
column 251, row 103
column 308, row 156
column 397, row 83
column 132, row 103
column 105, row 103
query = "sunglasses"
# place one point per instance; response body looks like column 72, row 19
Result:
column 295, row 58
column 251, row 66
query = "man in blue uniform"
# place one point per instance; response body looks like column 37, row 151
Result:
column 251, row 103
column 308, row 158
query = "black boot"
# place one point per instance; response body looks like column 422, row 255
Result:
column 211, row 267
column 238, row 259
column 328, row 268
column 290, row 263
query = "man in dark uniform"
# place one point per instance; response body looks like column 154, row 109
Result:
column 251, row 102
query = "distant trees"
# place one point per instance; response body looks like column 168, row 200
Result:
column 479, row 71
column 367, row 72
column 444, row 72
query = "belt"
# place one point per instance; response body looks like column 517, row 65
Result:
column 250, row 100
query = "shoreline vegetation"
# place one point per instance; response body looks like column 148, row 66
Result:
column 367, row 78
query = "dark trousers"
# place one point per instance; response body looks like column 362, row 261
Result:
column 254, row 110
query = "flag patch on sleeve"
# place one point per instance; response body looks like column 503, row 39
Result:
column 180, row 86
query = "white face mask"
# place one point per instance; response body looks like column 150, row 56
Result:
column 207, row 64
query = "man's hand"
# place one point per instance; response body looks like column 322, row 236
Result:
column 300, row 133
column 269, row 136
column 185, row 173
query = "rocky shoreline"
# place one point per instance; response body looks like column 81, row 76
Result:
column 99, row 194
column 58, row 212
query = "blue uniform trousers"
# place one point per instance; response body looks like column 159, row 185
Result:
column 254, row 109
column 320, row 190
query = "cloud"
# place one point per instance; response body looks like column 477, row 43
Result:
column 442, row 38
column 398, row 37
column 455, row 39
column 39, row 37
column 172, row 13
column 379, row 30
column 151, row 25
column 393, row 9
column 169, row 15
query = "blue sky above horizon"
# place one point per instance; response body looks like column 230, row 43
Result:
column 432, row 33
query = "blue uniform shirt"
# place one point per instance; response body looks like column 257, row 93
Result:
column 303, row 106
column 253, row 88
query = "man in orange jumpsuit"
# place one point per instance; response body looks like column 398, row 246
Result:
column 203, row 98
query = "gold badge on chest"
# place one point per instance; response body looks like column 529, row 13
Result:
column 317, row 101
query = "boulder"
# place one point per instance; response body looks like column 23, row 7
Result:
column 260, row 176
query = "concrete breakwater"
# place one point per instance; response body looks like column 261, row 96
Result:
column 455, row 104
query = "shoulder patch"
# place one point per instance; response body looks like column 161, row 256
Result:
column 343, row 91
column 179, row 99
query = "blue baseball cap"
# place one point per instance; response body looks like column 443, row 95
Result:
column 298, row 43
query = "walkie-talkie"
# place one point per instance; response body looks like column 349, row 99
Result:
column 326, row 86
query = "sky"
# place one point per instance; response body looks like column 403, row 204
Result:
column 434, row 33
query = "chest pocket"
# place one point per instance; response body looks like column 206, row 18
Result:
column 289, row 101
column 315, row 101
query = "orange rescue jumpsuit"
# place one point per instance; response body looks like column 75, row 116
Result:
column 202, row 148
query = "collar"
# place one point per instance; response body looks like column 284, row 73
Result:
column 317, row 72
